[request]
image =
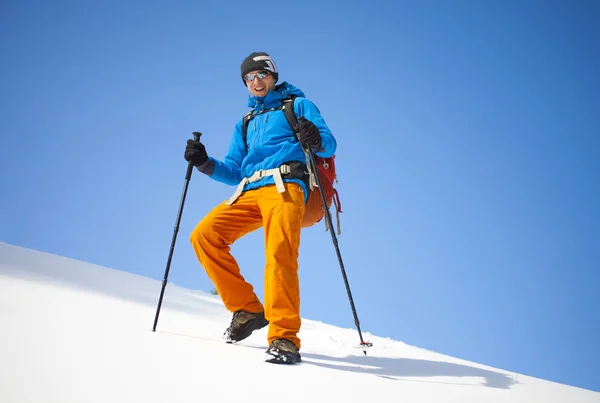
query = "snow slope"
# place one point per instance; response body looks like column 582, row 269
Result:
column 76, row 332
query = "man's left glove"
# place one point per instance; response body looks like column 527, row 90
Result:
column 308, row 134
column 195, row 153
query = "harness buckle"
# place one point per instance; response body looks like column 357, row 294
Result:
column 285, row 169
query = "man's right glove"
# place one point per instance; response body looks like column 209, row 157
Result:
column 195, row 153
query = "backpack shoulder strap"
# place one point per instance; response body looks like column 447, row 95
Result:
column 288, row 111
column 245, row 122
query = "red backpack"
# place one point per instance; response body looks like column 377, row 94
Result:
column 325, row 169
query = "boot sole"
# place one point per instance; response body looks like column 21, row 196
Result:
column 283, row 358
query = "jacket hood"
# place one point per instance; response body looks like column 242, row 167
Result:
column 275, row 97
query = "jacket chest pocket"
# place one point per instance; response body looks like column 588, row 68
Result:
column 259, row 125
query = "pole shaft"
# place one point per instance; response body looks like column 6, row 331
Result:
column 328, row 219
column 188, row 176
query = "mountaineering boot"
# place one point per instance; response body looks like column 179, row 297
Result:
column 243, row 324
column 283, row 351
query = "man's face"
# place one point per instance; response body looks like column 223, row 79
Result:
column 259, row 82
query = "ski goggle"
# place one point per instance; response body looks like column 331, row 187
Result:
column 261, row 74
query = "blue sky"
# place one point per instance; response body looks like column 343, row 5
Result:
column 468, row 157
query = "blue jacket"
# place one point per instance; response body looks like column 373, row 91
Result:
column 271, row 141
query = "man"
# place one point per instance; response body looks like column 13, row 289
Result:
column 268, row 165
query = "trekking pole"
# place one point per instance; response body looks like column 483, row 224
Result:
column 188, row 175
column 313, row 162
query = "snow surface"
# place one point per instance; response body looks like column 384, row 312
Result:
column 76, row 332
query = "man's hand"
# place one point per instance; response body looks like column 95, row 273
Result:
column 195, row 153
column 308, row 134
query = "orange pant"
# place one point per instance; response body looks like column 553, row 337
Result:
column 281, row 215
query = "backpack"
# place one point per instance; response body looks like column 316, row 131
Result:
column 325, row 169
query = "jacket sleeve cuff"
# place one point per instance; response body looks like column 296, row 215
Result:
column 208, row 168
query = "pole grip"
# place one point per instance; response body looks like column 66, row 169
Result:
column 188, row 173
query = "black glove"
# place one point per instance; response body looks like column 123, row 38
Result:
column 195, row 152
column 308, row 134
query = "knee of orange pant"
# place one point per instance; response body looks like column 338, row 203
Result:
column 205, row 235
column 199, row 233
